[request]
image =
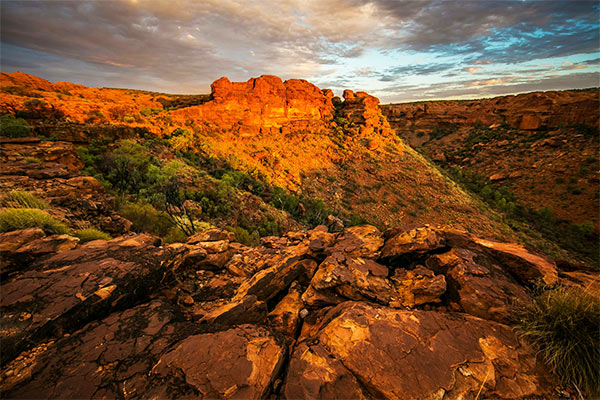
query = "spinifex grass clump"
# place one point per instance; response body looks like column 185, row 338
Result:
column 563, row 325
column 22, row 218
column 19, row 199
column 89, row 234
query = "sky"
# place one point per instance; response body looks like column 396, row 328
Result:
column 397, row 50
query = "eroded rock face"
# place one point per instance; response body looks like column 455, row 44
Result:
column 412, row 243
column 342, row 277
column 418, row 286
column 363, row 109
column 307, row 315
column 479, row 285
column 265, row 104
column 73, row 287
column 529, row 111
column 108, row 358
column 380, row 352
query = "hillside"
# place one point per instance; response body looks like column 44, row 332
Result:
column 543, row 146
column 290, row 134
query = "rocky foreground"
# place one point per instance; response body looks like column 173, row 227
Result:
column 414, row 313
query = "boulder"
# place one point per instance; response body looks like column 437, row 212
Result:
column 110, row 358
column 285, row 317
column 341, row 277
column 243, row 310
column 358, row 241
column 211, row 235
column 240, row 363
column 479, row 284
column 378, row 352
column 526, row 266
column 530, row 122
column 411, row 243
column 417, row 286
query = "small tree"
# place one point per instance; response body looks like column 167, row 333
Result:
column 172, row 200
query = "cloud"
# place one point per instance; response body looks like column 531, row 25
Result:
column 184, row 45
column 472, row 70
column 495, row 31
column 473, row 89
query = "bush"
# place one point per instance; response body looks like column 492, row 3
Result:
column 23, row 218
column 243, row 236
column 175, row 235
column 13, row 127
column 146, row 218
column 89, row 234
column 563, row 325
column 25, row 200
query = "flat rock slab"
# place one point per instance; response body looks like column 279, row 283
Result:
column 239, row 363
column 105, row 359
column 74, row 287
column 380, row 352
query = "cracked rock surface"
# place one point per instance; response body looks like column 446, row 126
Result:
column 422, row 313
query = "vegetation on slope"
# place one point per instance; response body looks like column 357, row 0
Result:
column 562, row 324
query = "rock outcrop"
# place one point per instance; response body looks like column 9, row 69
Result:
column 263, row 105
column 52, row 172
column 308, row 315
column 529, row 111
column 542, row 146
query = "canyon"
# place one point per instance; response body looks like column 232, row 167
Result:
column 327, row 249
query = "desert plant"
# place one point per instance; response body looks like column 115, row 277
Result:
column 146, row 218
column 13, row 127
column 23, row 218
column 19, row 199
column 32, row 160
column 89, row 234
column 562, row 324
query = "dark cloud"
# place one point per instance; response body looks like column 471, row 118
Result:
column 416, row 69
column 183, row 45
column 492, row 30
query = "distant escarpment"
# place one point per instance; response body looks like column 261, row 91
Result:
column 539, row 150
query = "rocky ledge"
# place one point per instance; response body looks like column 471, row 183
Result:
column 414, row 313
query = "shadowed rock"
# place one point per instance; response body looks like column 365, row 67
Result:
column 80, row 285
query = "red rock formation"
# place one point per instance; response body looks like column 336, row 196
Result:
column 363, row 109
column 268, row 105
column 354, row 342
column 529, row 111
column 263, row 105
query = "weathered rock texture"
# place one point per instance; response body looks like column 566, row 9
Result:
column 309, row 315
column 268, row 105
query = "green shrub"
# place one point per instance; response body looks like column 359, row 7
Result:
column 146, row 218
column 14, row 127
column 175, row 235
column 23, row 218
column 89, row 234
column 26, row 200
column 32, row 160
column 245, row 237
column 562, row 324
